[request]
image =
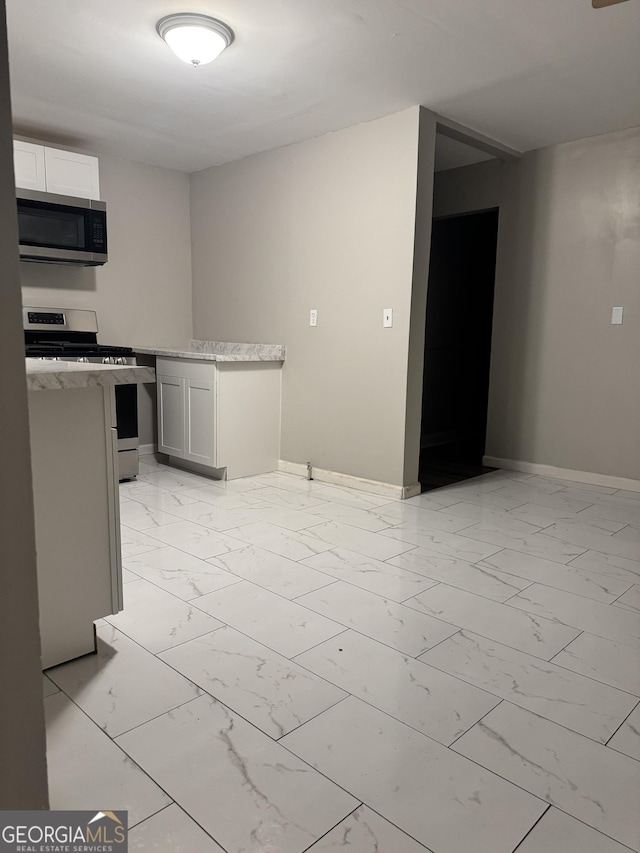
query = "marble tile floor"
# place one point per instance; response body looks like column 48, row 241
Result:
column 304, row 667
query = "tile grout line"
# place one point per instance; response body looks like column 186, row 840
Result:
column 528, row 833
column 635, row 708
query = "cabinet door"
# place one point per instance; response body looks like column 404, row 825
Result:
column 73, row 174
column 171, row 419
column 28, row 163
column 199, row 420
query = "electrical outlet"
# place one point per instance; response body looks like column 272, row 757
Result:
column 387, row 317
column 313, row 317
column 616, row 316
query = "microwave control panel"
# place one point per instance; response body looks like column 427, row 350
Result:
column 42, row 318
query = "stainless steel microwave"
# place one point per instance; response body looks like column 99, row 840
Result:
column 60, row 229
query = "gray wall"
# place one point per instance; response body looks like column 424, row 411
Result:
column 326, row 224
column 23, row 779
column 564, row 386
column 143, row 293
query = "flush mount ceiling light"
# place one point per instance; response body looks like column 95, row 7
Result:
column 197, row 39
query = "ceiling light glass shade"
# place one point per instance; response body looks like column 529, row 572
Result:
column 197, row 39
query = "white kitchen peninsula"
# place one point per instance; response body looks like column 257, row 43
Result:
column 75, row 483
column 219, row 406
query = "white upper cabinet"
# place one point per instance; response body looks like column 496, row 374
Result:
column 28, row 161
column 71, row 174
column 53, row 170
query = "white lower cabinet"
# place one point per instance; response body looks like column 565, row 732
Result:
column 220, row 414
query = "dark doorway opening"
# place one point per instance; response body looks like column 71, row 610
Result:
column 458, row 348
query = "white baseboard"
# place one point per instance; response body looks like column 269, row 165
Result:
column 147, row 449
column 606, row 480
column 335, row 478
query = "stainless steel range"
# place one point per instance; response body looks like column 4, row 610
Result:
column 72, row 335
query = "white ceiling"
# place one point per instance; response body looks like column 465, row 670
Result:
column 528, row 73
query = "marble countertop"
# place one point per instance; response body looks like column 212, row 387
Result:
column 219, row 351
column 57, row 375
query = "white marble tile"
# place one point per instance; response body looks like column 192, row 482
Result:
column 562, row 499
column 470, row 493
column 294, row 544
column 195, row 539
column 584, row 537
column 128, row 576
column 617, row 511
column 48, row 687
column 179, row 573
column 374, row 545
column 450, row 544
column 629, row 532
column 479, row 578
column 604, row 660
column 558, row 832
column 268, row 690
column 349, row 497
column 364, row 831
column 384, row 579
column 591, row 782
column 424, row 698
column 627, row 738
column 421, row 517
column 379, row 618
column 537, row 544
column 630, row 599
column 558, row 575
column 248, row 792
column 543, row 516
column 214, row 516
column 271, row 571
column 134, row 489
column 612, row 623
column 158, row 620
column 499, row 518
column 610, row 565
column 219, row 497
column 122, row 685
column 135, row 542
column 447, row 803
column 284, row 626
column 138, row 516
column 434, row 499
column 571, row 484
column 290, row 482
column 86, row 767
column 539, row 637
column 171, row 831
column 363, row 519
column 292, row 519
column 163, row 500
column 173, row 480
column 290, row 500
column 586, row 706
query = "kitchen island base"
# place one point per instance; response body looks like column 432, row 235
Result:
column 76, row 503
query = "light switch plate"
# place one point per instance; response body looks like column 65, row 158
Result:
column 616, row 316
column 387, row 317
column 313, row 317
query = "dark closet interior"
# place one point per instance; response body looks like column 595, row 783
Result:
column 457, row 348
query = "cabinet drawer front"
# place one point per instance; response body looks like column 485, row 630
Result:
column 202, row 371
